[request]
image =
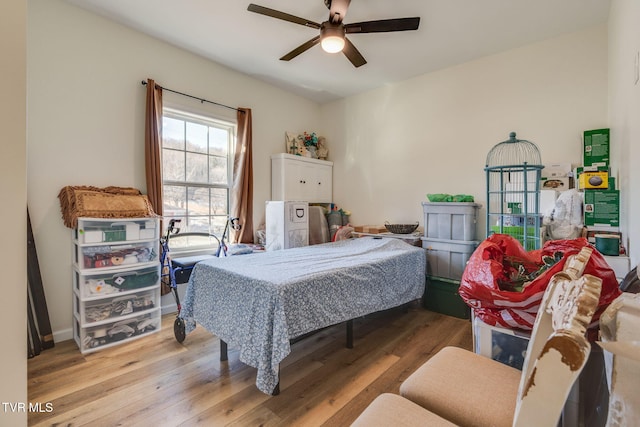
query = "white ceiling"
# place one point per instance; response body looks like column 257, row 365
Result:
column 451, row 32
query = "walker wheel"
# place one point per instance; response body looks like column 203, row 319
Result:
column 178, row 330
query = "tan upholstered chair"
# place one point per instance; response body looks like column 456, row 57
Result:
column 467, row 389
column 393, row 410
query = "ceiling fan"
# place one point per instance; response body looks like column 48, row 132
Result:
column 332, row 32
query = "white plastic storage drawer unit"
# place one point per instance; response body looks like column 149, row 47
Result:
column 116, row 281
column 447, row 258
column 450, row 220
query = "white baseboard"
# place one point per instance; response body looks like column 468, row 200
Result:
column 169, row 308
column 63, row 335
column 168, row 301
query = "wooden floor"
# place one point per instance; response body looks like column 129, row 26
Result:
column 155, row 381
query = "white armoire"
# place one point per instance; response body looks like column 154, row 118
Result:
column 301, row 178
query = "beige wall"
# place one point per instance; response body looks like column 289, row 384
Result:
column 431, row 134
column 86, row 112
column 624, row 114
column 13, row 190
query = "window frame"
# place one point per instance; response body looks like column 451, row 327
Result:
column 211, row 121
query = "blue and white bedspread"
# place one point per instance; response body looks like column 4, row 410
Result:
column 258, row 302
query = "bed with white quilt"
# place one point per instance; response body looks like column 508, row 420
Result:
column 258, row 302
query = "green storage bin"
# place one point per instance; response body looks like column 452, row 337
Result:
column 441, row 295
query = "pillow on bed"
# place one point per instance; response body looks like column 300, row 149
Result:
column 239, row 249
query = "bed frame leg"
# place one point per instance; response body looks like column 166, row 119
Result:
column 223, row 351
column 350, row 333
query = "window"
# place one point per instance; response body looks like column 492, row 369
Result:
column 196, row 169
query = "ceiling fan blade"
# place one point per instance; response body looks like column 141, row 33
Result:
column 337, row 10
column 281, row 15
column 383, row 25
column 302, row 48
column 353, row 54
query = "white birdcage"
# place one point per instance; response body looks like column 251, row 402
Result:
column 513, row 170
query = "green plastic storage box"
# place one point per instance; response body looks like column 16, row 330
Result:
column 441, row 295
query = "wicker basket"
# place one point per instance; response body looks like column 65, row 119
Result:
column 401, row 228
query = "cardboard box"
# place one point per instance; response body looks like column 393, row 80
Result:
column 372, row 229
column 602, row 207
column 556, row 170
column 593, row 230
column 556, row 183
column 593, row 180
column 596, row 147
column 577, row 172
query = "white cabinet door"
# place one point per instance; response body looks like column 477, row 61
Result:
column 319, row 183
column 301, row 178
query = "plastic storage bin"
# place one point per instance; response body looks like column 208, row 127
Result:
column 441, row 296
column 116, row 255
column 507, row 346
column 447, row 258
column 450, row 221
column 105, row 335
column 114, row 230
column 106, row 310
column 88, row 284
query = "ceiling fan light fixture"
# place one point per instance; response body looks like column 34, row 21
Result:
column 332, row 44
column 332, row 38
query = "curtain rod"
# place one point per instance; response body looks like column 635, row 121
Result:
column 195, row 97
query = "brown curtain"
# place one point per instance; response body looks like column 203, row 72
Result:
column 242, row 186
column 153, row 145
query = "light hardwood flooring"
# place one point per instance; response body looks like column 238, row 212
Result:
column 155, row 381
